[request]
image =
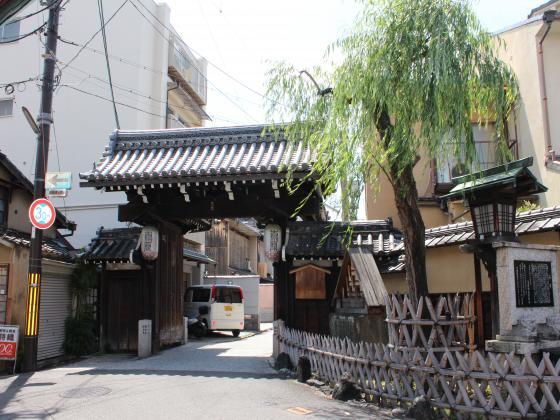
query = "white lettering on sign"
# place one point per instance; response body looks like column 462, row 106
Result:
column 8, row 342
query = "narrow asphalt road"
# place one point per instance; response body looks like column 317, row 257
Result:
column 218, row 377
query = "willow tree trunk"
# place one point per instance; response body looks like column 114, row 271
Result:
column 406, row 199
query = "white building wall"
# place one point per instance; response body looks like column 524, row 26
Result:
column 83, row 123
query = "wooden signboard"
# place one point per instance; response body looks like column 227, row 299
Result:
column 310, row 282
column 533, row 284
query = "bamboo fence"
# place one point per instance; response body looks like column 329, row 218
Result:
column 439, row 324
column 468, row 383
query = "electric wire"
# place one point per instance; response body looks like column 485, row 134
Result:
column 58, row 161
column 218, row 117
column 194, row 66
column 136, row 65
column 209, row 62
column 33, row 32
column 47, row 7
column 109, row 100
column 104, row 36
column 128, row 90
column 95, row 34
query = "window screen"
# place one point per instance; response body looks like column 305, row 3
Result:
column 6, row 107
column 228, row 295
column 9, row 31
column 197, row 295
column 448, row 166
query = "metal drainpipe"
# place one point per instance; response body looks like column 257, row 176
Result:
column 548, row 17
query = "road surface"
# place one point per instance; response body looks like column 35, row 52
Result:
column 218, row 377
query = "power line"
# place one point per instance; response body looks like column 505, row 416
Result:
column 197, row 53
column 195, row 67
column 47, row 7
column 129, row 90
column 104, row 36
column 109, row 100
column 33, row 32
column 95, row 34
column 58, row 160
column 137, row 65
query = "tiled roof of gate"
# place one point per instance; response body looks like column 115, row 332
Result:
column 196, row 154
column 540, row 220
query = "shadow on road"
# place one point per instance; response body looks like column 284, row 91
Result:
column 192, row 373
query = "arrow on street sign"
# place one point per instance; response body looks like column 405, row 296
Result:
column 58, row 181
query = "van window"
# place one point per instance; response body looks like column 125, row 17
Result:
column 197, row 295
column 228, row 295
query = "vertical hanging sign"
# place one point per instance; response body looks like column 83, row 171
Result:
column 272, row 242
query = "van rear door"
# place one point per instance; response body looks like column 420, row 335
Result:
column 228, row 310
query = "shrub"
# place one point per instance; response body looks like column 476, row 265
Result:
column 79, row 337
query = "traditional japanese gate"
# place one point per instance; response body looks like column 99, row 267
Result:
column 174, row 176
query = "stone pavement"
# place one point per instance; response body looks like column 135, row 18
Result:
column 217, row 377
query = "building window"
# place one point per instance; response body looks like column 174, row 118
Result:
column 486, row 156
column 9, row 31
column 4, row 198
column 6, row 107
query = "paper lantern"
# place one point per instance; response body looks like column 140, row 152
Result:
column 149, row 243
column 272, row 242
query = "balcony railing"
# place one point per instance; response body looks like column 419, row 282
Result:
column 186, row 68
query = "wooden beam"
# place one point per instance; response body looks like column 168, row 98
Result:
column 171, row 206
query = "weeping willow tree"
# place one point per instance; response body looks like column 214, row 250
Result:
column 410, row 78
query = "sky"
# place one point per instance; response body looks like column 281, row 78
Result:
column 243, row 38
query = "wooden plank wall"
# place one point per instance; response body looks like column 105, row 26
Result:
column 122, row 305
column 217, row 247
column 169, row 301
column 238, row 251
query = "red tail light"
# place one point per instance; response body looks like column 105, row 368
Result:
column 213, row 293
column 241, row 292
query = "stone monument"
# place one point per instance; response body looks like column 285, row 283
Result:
column 528, row 301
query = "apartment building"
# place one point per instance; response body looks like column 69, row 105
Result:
column 158, row 83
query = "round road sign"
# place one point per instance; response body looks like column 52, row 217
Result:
column 42, row 213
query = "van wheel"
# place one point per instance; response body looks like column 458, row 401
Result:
column 235, row 333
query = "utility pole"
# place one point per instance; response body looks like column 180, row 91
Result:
column 44, row 120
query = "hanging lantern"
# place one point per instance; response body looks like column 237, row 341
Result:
column 272, row 242
column 149, row 243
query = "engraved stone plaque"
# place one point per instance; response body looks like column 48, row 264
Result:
column 533, row 284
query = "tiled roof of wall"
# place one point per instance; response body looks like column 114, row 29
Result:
column 327, row 239
column 532, row 221
column 56, row 249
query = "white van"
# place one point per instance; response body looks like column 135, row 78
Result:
column 219, row 306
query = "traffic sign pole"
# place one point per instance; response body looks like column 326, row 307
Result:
column 31, row 333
